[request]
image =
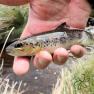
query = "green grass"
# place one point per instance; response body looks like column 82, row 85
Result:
column 11, row 16
column 80, row 80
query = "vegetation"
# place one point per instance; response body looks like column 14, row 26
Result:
column 12, row 17
column 5, row 87
column 80, row 80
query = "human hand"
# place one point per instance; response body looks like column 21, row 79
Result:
column 46, row 15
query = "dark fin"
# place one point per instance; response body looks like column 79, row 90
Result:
column 61, row 28
column 63, row 25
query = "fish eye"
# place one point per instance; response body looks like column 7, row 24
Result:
column 18, row 45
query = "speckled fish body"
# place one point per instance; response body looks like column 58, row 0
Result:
column 61, row 37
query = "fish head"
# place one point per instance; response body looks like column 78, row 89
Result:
column 22, row 48
column 19, row 48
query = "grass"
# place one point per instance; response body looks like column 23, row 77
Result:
column 80, row 80
column 5, row 87
column 11, row 17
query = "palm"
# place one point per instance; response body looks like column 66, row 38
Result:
column 69, row 10
column 47, row 15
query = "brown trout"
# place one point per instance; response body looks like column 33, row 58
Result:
column 60, row 37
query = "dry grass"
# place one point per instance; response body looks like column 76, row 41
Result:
column 64, row 84
column 6, row 41
column 80, row 80
column 5, row 87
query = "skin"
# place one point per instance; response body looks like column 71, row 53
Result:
column 47, row 15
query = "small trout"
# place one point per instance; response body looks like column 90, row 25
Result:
column 60, row 37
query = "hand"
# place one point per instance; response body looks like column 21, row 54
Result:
column 46, row 15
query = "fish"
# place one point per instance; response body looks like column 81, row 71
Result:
column 62, row 36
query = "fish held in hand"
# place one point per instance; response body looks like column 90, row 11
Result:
column 49, row 41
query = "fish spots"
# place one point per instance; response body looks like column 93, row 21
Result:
column 74, row 34
column 39, row 44
column 54, row 41
column 42, row 43
column 32, row 45
column 63, row 39
column 47, row 42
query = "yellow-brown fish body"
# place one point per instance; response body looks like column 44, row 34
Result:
column 60, row 37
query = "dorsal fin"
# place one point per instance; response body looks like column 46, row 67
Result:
column 61, row 28
column 58, row 29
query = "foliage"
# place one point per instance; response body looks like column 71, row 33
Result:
column 80, row 80
column 12, row 17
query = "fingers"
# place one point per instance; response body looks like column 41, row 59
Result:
column 42, row 60
column 60, row 56
column 20, row 65
column 77, row 50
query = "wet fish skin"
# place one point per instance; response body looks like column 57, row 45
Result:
column 61, row 37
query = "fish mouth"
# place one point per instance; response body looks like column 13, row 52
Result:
column 9, row 50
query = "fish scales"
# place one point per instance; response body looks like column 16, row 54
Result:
column 60, row 37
